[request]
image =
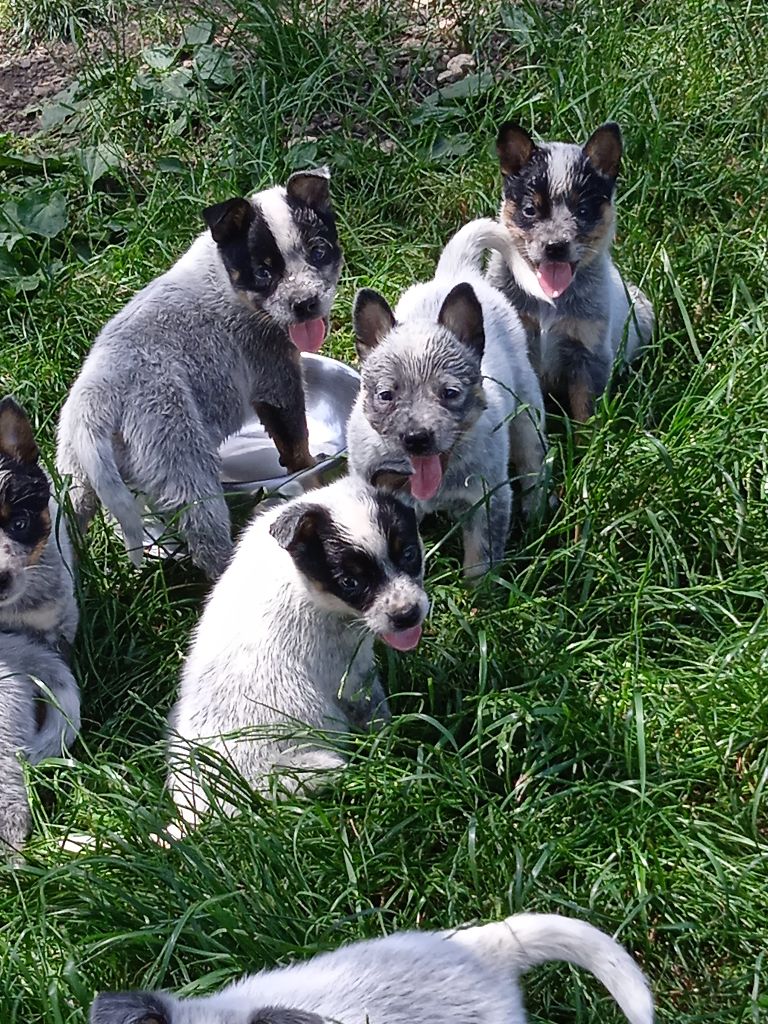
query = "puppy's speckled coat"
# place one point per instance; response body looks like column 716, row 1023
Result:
column 39, row 698
column 578, row 312
column 448, row 397
column 286, row 638
column 179, row 369
column 467, row 976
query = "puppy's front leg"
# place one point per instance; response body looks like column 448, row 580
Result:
column 15, row 818
column 288, row 429
column 485, row 533
column 367, row 706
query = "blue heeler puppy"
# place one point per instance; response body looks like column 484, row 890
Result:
column 180, row 367
column 448, row 398
column 285, row 642
column 39, row 698
column 466, row 975
column 578, row 312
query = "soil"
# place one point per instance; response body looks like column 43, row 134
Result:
column 29, row 78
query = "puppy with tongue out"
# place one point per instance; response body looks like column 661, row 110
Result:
column 449, row 399
column 558, row 210
column 283, row 654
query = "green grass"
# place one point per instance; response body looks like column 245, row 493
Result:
column 587, row 732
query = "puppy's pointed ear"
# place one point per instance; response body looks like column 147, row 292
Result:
column 313, row 188
column 604, row 148
column 16, row 437
column 462, row 315
column 229, row 220
column 299, row 526
column 515, row 148
column 131, row 1008
column 372, row 319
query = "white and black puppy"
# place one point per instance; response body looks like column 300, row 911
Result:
column 448, row 398
column 558, row 207
column 39, row 698
column 465, row 976
column 285, row 642
column 180, row 368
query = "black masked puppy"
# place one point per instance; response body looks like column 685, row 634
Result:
column 286, row 639
column 39, row 698
column 558, row 207
column 182, row 366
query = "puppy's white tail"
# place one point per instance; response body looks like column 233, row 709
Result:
column 97, row 458
column 465, row 250
column 525, row 940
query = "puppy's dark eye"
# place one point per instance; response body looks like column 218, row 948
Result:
column 262, row 276
column 386, row 396
column 349, row 585
column 319, row 252
column 584, row 211
column 410, row 556
column 19, row 525
column 450, row 393
column 528, row 209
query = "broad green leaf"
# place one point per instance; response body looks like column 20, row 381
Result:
column 303, row 154
column 9, row 268
column 195, row 33
column 214, row 65
column 176, row 86
column 171, row 165
column 37, row 215
column 457, row 145
column 472, row 85
column 97, row 160
column 159, row 57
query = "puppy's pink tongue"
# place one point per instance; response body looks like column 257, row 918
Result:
column 309, row 336
column 554, row 277
column 427, row 476
column 405, row 640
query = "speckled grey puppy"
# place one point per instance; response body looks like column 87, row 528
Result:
column 448, row 398
column 578, row 312
column 181, row 366
column 464, row 976
column 39, row 698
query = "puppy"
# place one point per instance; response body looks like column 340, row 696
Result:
column 176, row 371
column 578, row 312
column 286, row 638
column 447, row 395
column 39, row 698
column 453, row 977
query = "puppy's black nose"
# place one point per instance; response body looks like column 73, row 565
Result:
column 5, row 581
column 307, row 309
column 419, row 442
column 406, row 618
column 557, row 251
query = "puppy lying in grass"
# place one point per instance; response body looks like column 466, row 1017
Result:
column 558, row 208
column 285, row 642
column 467, row 976
column 448, row 397
column 39, row 698
column 178, row 370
